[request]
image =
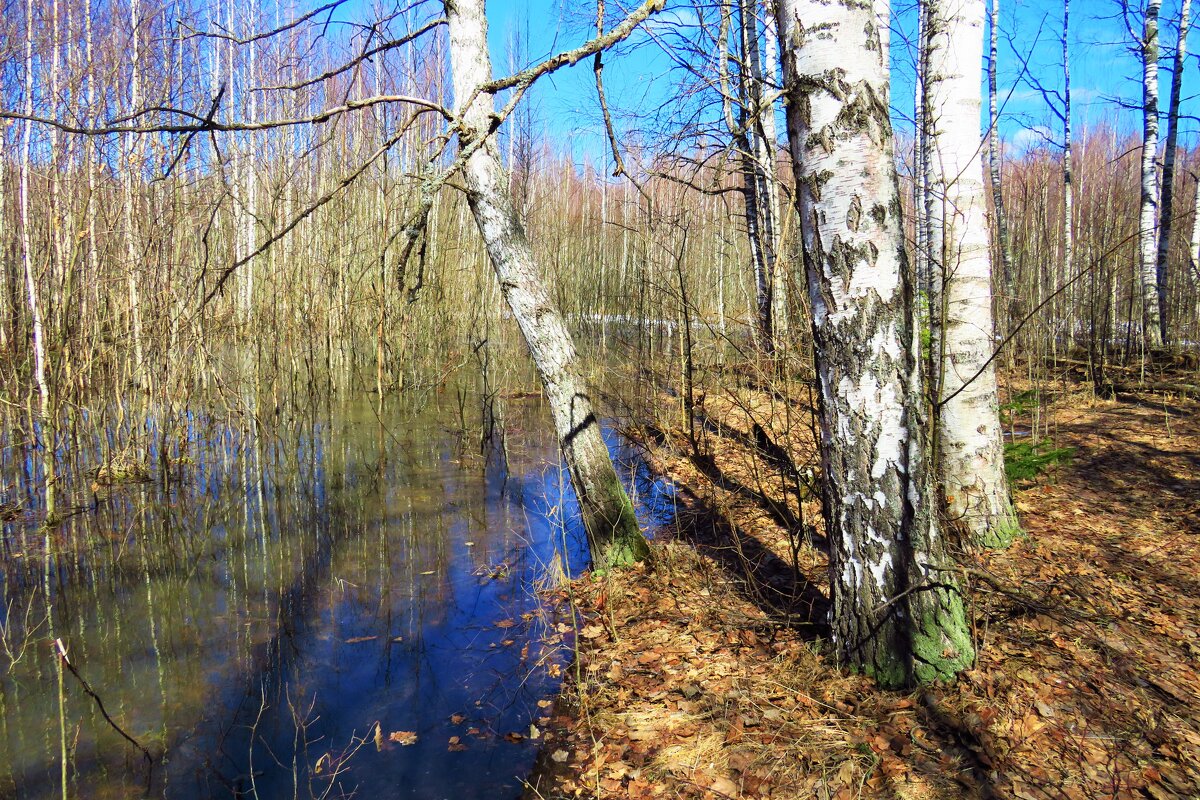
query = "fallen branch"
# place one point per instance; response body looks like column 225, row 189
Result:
column 62, row 654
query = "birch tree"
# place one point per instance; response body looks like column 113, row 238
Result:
column 1004, row 240
column 897, row 613
column 608, row 514
column 968, row 445
column 1167, row 215
column 1147, row 225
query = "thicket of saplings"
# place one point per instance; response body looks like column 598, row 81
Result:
column 331, row 310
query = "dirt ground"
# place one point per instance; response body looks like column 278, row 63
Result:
column 704, row 673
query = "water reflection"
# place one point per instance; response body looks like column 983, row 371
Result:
column 282, row 608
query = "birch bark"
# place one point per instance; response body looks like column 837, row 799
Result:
column 968, row 447
column 896, row 612
column 47, row 438
column 1003, row 239
column 745, row 140
column 1167, row 216
column 133, row 164
column 1068, row 162
column 608, row 514
column 1147, row 227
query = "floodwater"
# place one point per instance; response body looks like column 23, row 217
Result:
column 339, row 603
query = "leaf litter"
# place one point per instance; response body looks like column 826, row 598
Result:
column 702, row 674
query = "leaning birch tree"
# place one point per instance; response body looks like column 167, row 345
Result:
column 967, row 436
column 897, row 613
column 608, row 514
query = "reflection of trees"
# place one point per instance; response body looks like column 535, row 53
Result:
column 260, row 592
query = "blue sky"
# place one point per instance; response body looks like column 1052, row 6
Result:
column 1103, row 70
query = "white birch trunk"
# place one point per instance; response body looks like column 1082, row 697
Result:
column 761, row 135
column 1167, row 215
column 894, row 615
column 969, row 449
column 1003, row 239
column 1147, row 226
column 1068, row 162
column 779, row 314
column 607, row 512
column 1194, row 247
column 47, row 440
column 131, row 168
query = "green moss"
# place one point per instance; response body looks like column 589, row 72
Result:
column 941, row 639
column 890, row 674
column 619, row 541
column 1001, row 535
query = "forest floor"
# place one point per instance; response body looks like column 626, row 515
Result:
column 704, row 673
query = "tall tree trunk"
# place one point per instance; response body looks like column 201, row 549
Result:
column 780, row 319
column 969, row 450
column 920, row 194
column 1008, row 307
column 745, row 138
column 607, row 511
column 140, row 374
column 1167, row 213
column 1068, row 222
column 47, row 438
column 895, row 614
column 761, row 121
column 1151, row 296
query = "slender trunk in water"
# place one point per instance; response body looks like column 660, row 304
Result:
column 608, row 514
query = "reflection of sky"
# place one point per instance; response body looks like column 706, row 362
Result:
column 330, row 576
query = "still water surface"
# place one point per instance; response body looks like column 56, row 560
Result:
column 295, row 605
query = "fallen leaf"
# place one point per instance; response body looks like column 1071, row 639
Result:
column 723, row 785
column 404, row 738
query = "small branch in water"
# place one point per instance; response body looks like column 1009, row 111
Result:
column 62, row 654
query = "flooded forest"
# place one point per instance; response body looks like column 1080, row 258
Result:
column 791, row 426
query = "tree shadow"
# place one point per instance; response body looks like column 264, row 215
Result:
column 768, row 581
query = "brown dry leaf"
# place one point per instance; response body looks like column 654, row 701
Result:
column 404, row 738
column 591, row 631
column 724, row 786
column 457, row 719
column 357, row 639
column 506, row 623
